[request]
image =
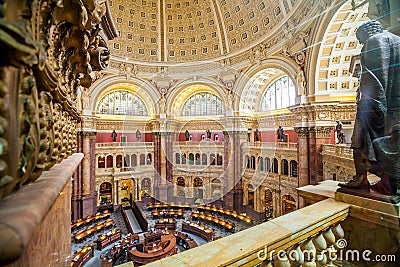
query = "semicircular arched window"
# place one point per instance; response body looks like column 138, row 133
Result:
column 121, row 102
column 203, row 104
column 280, row 94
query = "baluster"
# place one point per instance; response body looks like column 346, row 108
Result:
column 339, row 235
column 281, row 260
column 320, row 246
column 296, row 256
column 331, row 250
column 309, row 251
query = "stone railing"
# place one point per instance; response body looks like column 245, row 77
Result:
column 300, row 238
column 124, row 144
column 271, row 145
column 338, row 150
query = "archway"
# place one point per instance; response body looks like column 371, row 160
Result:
column 289, row 203
column 268, row 203
column 105, row 193
column 216, row 188
column 180, row 187
column 198, row 190
column 126, row 189
column 145, row 188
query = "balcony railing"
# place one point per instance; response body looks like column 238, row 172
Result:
column 338, row 150
column 124, row 144
column 271, row 145
column 304, row 236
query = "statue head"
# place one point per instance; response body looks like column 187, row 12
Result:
column 368, row 29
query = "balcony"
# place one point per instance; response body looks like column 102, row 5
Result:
column 338, row 163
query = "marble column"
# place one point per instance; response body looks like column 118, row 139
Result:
column 84, row 184
column 163, row 187
column 233, row 189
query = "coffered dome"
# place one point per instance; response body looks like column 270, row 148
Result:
column 188, row 30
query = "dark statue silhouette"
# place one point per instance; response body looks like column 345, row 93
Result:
column 378, row 107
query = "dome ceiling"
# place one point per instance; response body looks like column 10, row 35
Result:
column 189, row 30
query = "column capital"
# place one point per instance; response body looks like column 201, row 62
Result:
column 86, row 134
column 302, row 132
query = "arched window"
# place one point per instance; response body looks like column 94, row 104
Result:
column 280, row 94
column 285, row 167
column 197, row 159
column 246, row 162
column 275, row 167
column 203, row 104
column 142, row 159
column 191, row 159
column 109, row 161
column 127, row 161
column 133, row 160
column 183, row 158
column 101, row 162
column 148, row 160
column 293, row 168
column 216, row 137
column 204, row 159
column 219, row 159
column 177, row 158
column 121, row 102
column 212, row 159
column 261, row 163
column 119, row 161
column 267, row 164
column 253, row 162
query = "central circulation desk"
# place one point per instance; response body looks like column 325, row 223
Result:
column 199, row 230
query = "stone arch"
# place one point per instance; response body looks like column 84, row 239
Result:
column 144, row 89
column 246, row 99
column 180, row 93
column 321, row 36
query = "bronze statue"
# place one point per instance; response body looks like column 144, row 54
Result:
column 138, row 135
column 280, row 133
column 339, row 133
column 378, row 104
column 114, row 136
column 208, row 134
column 257, row 135
column 187, row 135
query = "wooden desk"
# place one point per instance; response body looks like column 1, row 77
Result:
column 106, row 239
column 170, row 224
column 199, row 230
column 84, row 255
column 185, row 241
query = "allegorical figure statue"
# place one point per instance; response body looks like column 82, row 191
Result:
column 138, row 135
column 257, row 135
column 378, row 103
column 339, row 133
column 114, row 136
column 187, row 135
column 280, row 133
column 208, row 132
